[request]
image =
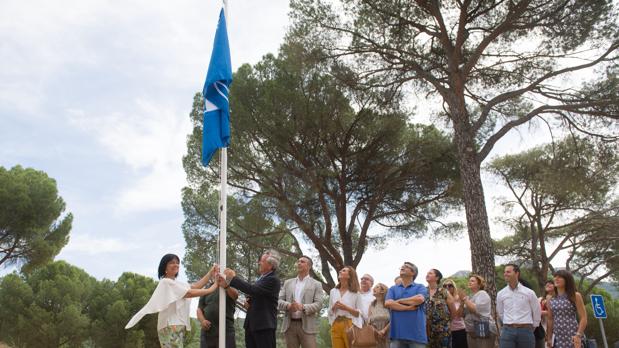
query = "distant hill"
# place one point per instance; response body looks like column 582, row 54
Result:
column 611, row 288
column 460, row 274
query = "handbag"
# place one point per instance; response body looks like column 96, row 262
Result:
column 482, row 328
column 361, row 337
column 585, row 342
column 539, row 332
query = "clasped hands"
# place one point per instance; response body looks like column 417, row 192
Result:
column 223, row 281
column 340, row 305
column 295, row 307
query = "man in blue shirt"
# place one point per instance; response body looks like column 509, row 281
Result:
column 408, row 317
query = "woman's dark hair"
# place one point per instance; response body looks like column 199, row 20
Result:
column 549, row 281
column 438, row 275
column 570, row 285
column 164, row 262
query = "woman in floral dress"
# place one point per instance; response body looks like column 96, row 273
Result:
column 439, row 306
column 567, row 318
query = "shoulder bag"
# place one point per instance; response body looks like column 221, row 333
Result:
column 481, row 327
column 361, row 337
column 539, row 332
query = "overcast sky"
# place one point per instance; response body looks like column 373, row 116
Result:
column 97, row 94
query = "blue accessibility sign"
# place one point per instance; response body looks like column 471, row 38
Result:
column 597, row 303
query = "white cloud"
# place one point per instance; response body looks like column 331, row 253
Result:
column 113, row 82
column 168, row 44
column 126, row 74
column 150, row 140
column 448, row 256
column 90, row 245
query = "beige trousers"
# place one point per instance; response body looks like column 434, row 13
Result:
column 296, row 337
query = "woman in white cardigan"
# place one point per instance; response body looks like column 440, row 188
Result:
column 171, row 300
column 344, row 307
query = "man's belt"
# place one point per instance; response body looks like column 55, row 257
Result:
column 520, row 326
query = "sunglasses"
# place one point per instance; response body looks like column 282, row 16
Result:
column 448, row 286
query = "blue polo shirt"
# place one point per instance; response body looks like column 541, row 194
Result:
column 408, row 325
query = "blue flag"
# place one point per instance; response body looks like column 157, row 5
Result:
column 216, row 130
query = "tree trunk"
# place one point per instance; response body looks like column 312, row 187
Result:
column 482, row 248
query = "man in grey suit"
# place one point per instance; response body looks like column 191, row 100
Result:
column 301, row 300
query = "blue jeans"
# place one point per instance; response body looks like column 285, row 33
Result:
column 512, row 337
column 405, row 344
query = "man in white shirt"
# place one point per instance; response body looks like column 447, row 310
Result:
column 517, row 310
column 301, row 301
column 367, row 296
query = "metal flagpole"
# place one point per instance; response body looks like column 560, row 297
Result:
column 222, row 242
column 223, row 195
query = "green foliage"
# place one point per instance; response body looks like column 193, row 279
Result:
column 32, row 228
column 525, row 274
column 59, row 305
column 239, row 332
column 529, row 278
column 112, row 305
column 564, row 192
column 498, row 56
column 323, row 338
column 250, row 231
column 485, row 67
column 52, row 302
column 315, row 162
column 611, row 323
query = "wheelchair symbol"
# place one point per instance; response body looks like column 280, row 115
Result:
column 598, row 309
column 597, row 304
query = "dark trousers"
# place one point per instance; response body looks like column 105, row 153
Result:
column 260, row 338
column 210, row 341
column 458, row 339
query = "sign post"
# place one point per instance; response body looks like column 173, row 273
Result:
column 599, row 311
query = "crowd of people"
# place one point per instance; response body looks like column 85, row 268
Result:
column 406, row 314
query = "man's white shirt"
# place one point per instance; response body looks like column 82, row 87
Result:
column 518, row 306
column 366, row 301
column 299, row 285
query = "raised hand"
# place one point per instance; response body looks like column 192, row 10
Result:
column 221, row 281
column 461, row 294
column 229, row 273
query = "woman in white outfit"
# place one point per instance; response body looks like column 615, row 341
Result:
column 344, row 307
column 171, row 300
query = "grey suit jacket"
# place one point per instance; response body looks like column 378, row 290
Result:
column 312, row 299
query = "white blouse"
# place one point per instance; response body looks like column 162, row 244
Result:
column 351, row 299
column 169, row 301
